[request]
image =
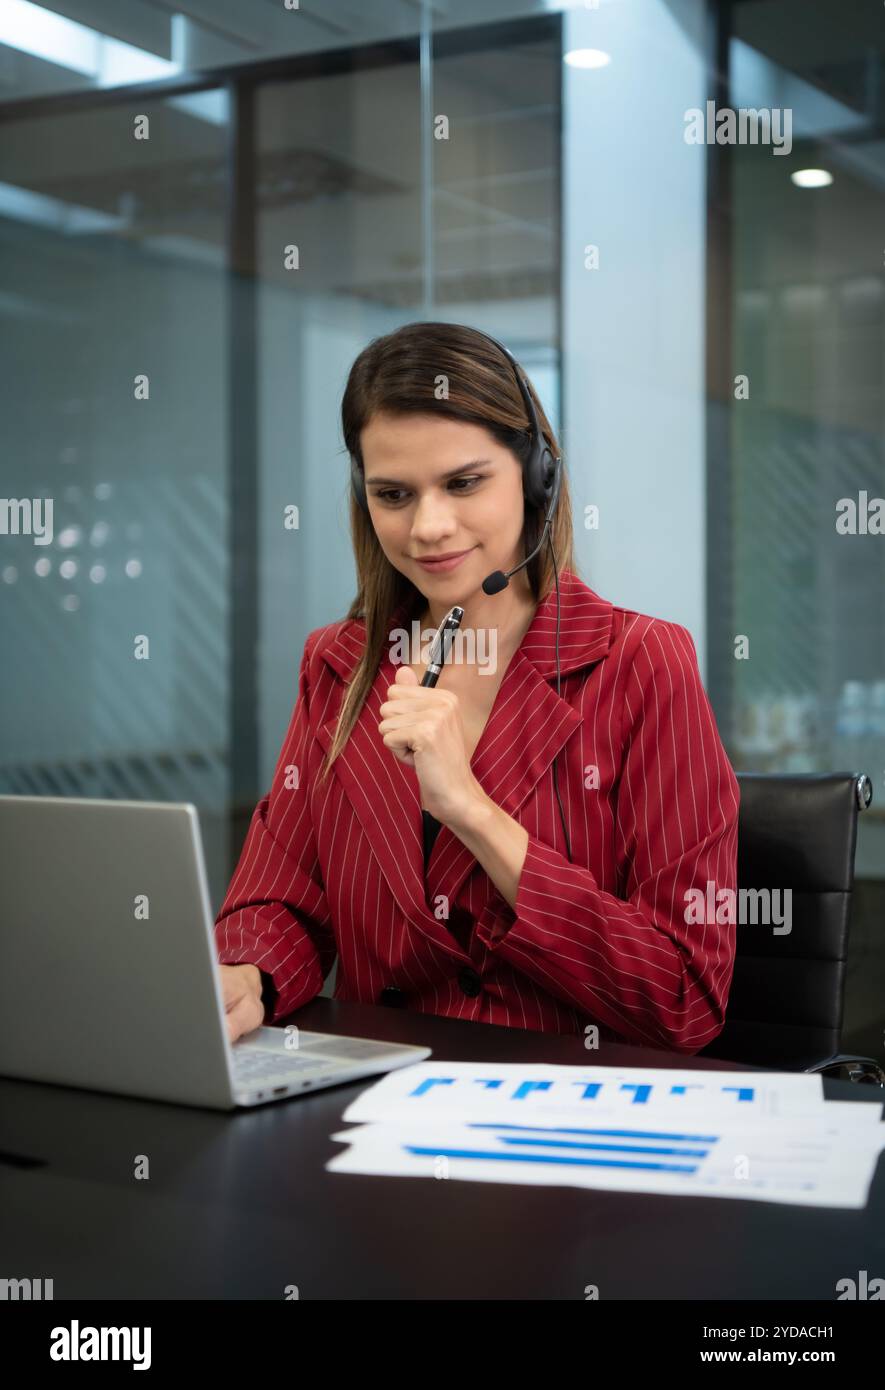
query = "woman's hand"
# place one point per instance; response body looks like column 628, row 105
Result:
column 424, row 729
column 243, row 1005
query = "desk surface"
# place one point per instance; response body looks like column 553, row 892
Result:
column 239, row 1205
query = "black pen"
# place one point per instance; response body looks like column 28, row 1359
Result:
column 441, row 644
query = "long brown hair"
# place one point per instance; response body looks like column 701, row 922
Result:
column 399, row 373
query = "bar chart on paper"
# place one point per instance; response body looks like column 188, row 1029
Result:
column 769, row 1137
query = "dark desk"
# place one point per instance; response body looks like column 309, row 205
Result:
column 239, row 1205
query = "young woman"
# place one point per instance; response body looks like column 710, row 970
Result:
column 426, row 836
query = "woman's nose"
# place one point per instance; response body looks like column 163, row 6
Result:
column 434, row 516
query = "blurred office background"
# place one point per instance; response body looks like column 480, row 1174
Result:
column 208, row 207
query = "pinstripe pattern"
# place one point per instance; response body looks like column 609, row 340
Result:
column 602, row 940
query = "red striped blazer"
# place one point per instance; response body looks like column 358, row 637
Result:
column 651, row 804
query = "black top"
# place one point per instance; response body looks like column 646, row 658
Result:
column 432, row 827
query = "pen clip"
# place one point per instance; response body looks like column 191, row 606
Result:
column 447, row 629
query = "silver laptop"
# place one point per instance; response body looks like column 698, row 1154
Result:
column 108, row 969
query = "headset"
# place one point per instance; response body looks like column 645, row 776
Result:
column 541, row 482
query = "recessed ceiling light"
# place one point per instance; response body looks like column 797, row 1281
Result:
column 811, row 178
column 587, row 58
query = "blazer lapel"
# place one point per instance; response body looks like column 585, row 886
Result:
column 384, row 794
column 526, row 728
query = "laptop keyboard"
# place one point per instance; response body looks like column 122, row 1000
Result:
column 261, row 1066
column 319, row 1053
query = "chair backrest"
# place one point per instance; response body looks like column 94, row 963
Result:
column 797, row 832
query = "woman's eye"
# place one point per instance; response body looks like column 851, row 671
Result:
column 392, row 496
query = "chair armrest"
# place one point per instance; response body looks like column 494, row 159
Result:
column 861, row 1069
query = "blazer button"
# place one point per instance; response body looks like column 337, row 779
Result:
column 469, row 981
column 393, row 996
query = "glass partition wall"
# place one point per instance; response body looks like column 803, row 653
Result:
column 796, row 568
column 188, row 270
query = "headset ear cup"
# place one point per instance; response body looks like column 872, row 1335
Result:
column 540, row 475
column 549, row 467
column 358, row 485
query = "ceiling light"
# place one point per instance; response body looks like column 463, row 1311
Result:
column 587, row 58
column 811, row 178
column 109, row 62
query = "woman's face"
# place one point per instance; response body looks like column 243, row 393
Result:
column 438, row 486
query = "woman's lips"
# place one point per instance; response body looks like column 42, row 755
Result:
column 443, row 566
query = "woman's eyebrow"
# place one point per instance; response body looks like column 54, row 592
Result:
column 452, row 473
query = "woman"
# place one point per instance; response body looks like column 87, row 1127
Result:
column 554, row 895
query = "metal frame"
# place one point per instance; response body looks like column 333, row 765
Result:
column 242, row 406
column 719, row 379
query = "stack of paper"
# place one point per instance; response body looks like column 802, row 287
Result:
column 765, row 1136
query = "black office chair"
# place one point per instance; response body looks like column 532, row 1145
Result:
column 796, row 831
